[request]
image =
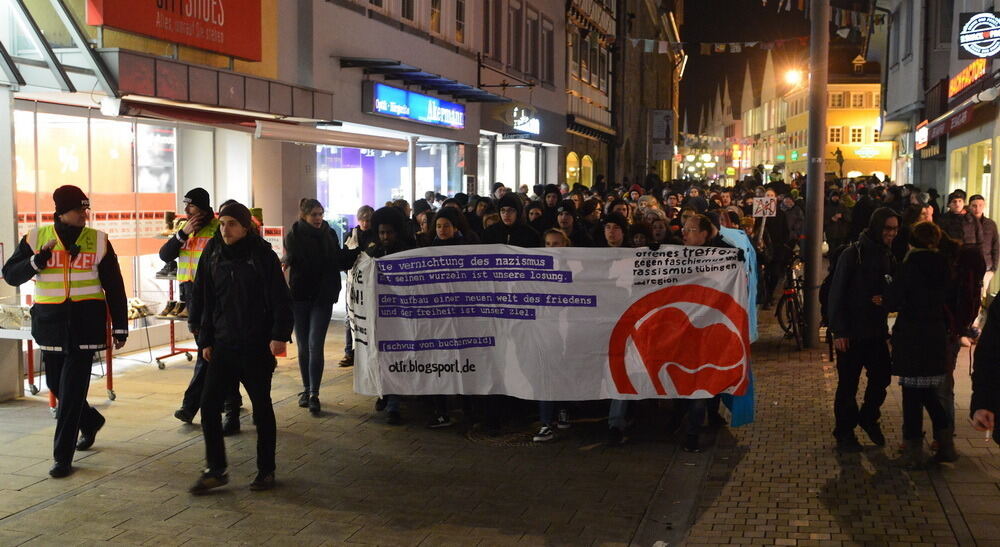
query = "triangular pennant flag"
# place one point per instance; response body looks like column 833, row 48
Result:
column 635, row 41
column 720, row 48
column 735, row 47
column 706, row 49
column 664, row 47
column 648, row 46
column 750, row 44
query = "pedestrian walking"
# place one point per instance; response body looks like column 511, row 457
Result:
column 241, row 314
column 186, row 247
column 78, row 284
column 314, row 259
column 919, row 342
column 859, row 323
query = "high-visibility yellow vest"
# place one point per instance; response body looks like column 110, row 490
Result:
column 65, row 277
column 187, row 263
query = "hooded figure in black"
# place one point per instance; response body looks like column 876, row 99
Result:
column 858, row 320
column 390, row 225
column 241, row 313
column 512, row 229
column 569, row 222
column 550, row 204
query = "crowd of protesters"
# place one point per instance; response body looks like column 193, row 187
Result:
column 891, row 250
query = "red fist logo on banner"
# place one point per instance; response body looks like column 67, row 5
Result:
column 711, row 358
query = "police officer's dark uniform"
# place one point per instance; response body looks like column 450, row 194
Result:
column 77, row 282
column 187, row 249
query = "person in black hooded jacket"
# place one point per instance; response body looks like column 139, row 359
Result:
column 920, row 339
column 985, row 402
column 314, row 260
column 512, row 229
column 550, row 207
column 390, row 225
column 859, row 323
column 242, row 315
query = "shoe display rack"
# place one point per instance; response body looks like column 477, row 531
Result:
column 174, row 348
column 24, row 333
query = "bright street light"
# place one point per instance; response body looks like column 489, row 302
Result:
column 793, row 77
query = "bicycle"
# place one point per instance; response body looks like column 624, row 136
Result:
column 789, row 310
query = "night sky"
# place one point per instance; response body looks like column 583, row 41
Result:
column 734, row 21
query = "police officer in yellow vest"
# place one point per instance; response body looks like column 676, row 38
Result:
column 186, row 247
column 77, row 284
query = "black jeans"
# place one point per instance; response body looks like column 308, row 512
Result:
column 192, row 395
column 915, row 400
column 68, row 377
column 312, row 320
column 229, row 367
column 872, row 356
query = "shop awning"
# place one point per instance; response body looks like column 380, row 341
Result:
column 302, row 134
column 392, row 69
column 584, row 128
column 29, row 62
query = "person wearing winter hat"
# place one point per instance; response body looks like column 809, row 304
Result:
column 186, row 246
column 78, row 282
column 242, row 313
column 389, row 224
column 567, row 221
column 550, row 202
column 615, row 231
column 512, row 228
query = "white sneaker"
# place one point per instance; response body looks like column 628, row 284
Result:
column 562, row 422
column 545, row 434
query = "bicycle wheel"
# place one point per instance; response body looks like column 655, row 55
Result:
column 780, row 312
column 798, row 324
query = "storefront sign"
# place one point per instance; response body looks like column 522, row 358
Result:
column 920, row 135
column 229, row 27
column 966, row 77
column 959, row 119
column 979, row 36
column 866, row 152
column 795, row 155
column 275, row 235
column 494, row 319
column 393, row 102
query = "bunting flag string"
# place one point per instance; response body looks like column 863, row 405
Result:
column 714, row 48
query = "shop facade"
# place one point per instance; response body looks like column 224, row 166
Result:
column 519, row 145
column 136, row 130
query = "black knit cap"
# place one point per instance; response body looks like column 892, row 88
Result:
column 199, row 198
column 69, row 197
column 238, row 212
column 566, row 206
column 617, row 218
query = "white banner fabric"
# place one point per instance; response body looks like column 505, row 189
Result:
column 558, row 324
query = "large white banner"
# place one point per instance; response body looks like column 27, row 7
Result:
column 551, row 324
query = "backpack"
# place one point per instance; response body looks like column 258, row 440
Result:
column 824, row 289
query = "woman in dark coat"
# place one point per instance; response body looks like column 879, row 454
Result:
column 314, row 260
column 919, row 341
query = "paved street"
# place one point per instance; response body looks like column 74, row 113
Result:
column 346, row 477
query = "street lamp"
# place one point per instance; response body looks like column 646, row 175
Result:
column 793, row 77
column 706, row 157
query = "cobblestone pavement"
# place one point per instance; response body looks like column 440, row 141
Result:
column 347, row 478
